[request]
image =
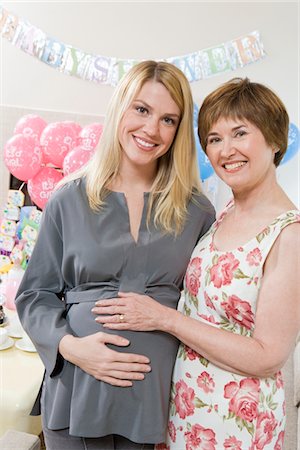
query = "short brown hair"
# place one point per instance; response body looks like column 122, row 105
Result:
column 241, row 98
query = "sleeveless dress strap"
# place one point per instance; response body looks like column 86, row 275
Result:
column 267, row 237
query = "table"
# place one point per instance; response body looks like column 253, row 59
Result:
column 21, row 375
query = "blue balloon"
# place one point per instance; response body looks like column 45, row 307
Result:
column 205, row 167
column 293, row 143
column 195, row 115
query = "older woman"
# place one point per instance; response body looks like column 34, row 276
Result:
column 241, row 310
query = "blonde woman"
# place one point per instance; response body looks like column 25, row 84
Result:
column 127, row 222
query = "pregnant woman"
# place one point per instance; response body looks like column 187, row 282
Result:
column 127, row 222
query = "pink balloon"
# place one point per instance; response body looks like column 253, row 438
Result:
column 30, row 125
column 89, row 136
column 42, row 185
column 57, row 139
column 75, row 159
column 76, row 127
column 23, row 156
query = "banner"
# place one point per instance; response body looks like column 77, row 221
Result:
column 101, row 69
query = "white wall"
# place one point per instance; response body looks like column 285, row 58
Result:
column 145, row 30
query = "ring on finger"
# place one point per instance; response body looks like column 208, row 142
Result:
column 121, row 317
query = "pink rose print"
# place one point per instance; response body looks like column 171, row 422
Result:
column 254, row 257
column 208, row 301
column 190, row 353
column 232, row 443
column 210, row 318
column 222, row 215
column 172, row 431
column 279, row 380
column 265, row 427
column 200, row 438
column 253, row 280
column 184, row 399
column 222, row 272
column 192, row 277
column 280, row 441
column 243, row 398
column 206, row 382
column 239, row 311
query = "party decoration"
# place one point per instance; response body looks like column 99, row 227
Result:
column 18, row 230
column 11, row 212
column 293, row 143
column 210, row 188
column 8, row 227
column 205, row 167
column 57, row 139
column 10, row 284
column 30, row 125
column 198, row 65
column 89, row 136
column 16, row 246
column 42, row 185
column 6, row 243
column 4, row 261
column 23, row 156
column 75, row 159
column 16, row 198
column 28, row 220
column 195, row 117
column 75, row 126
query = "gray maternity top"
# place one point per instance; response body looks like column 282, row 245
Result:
column 81, row 256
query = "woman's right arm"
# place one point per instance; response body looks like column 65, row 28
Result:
column 42, row 314
column 92, row 355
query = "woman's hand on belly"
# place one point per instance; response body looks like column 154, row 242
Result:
column 92, row 355
column 130, row 311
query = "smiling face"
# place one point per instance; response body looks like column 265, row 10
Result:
column 239, row 153
column 148, row 126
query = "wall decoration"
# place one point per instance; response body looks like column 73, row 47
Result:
column 198, row 65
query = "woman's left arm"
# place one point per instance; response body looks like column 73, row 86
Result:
column 277, row 320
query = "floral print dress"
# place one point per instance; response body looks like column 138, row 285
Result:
column 211, row 408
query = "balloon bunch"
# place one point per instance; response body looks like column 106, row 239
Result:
column 42, row 154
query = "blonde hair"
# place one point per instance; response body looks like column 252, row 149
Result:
column 241, row 98
column 177, row 171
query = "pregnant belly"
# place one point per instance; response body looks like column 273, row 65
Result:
column 158, row 346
